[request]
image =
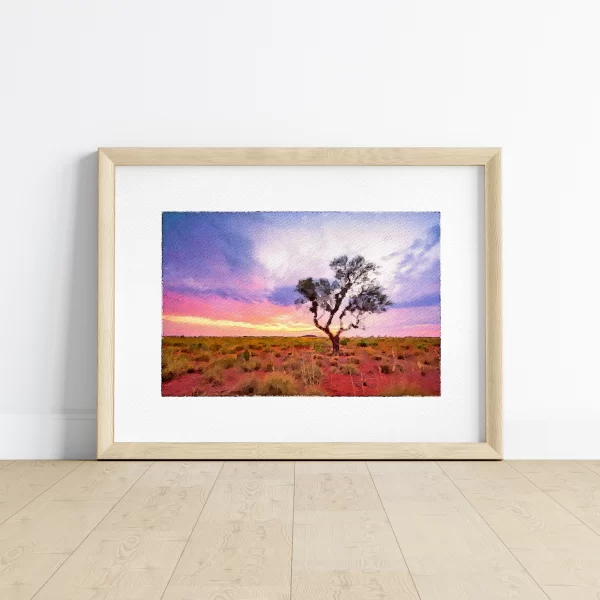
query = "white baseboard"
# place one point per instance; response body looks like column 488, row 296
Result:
column 69, row 434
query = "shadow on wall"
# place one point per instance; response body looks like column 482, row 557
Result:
column 77, row 435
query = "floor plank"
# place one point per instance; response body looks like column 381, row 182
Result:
column 23, row 481
column 344, row 546
column 38, row 539
column 451, row 553
column 133, row 551
column 592, row 465
column 568, row 592
column 555, row 547
column 241, row 545
column 5, row 463
column 571, row 484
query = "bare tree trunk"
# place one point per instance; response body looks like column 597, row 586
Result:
column 335, row 342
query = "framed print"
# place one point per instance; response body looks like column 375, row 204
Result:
column 299, row 303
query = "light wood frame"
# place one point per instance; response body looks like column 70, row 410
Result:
column 110, row 158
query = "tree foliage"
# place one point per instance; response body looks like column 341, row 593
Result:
column 343, row 303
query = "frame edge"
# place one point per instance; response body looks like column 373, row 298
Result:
column 299, row 451
column 300, row 156
column 106, row 298
column 493, row 303
column 109, row 158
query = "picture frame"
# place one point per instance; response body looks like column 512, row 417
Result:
column 109, row 159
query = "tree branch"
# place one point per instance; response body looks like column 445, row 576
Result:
column 314, row 309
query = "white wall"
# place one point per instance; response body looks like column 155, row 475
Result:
column 518, row 74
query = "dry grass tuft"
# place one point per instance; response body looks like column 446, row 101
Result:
column 278, row 384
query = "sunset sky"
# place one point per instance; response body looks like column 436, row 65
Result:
column 231, row 274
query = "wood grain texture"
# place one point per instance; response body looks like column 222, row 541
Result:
column 23, row 481
column 344, row 546
column 562, row 592
column 106, row 302
column 109, row 158
column 554, row 546
column 493, row 303
column 300, row 451
column 164, row 504
column 299, row 156
column 39, row 538
column 450, row 551
column 133, row 551
column 592, row 465
column 176, row 531
column 242, row 543
column 571, row 484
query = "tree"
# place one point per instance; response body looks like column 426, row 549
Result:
column 353, row 294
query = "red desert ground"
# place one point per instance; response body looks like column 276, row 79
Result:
column 289, row 366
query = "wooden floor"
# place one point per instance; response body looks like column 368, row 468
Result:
column 74, row 530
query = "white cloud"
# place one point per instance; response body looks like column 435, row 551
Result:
column 295, row 252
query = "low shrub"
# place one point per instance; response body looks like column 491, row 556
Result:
column 214, row 375
column 294, row 365
column 278, row 384
column 247, row 387
column 386, row 369
column 225, row 363
column 173, row 364
column 251, row 365
column 349, row 370
column 311, row 374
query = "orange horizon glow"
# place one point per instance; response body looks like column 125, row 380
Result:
column 197, row 326
column 293, row 327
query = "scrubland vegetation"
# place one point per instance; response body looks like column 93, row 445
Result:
column 300, row 366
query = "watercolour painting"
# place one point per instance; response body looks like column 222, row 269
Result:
column 301, row 304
